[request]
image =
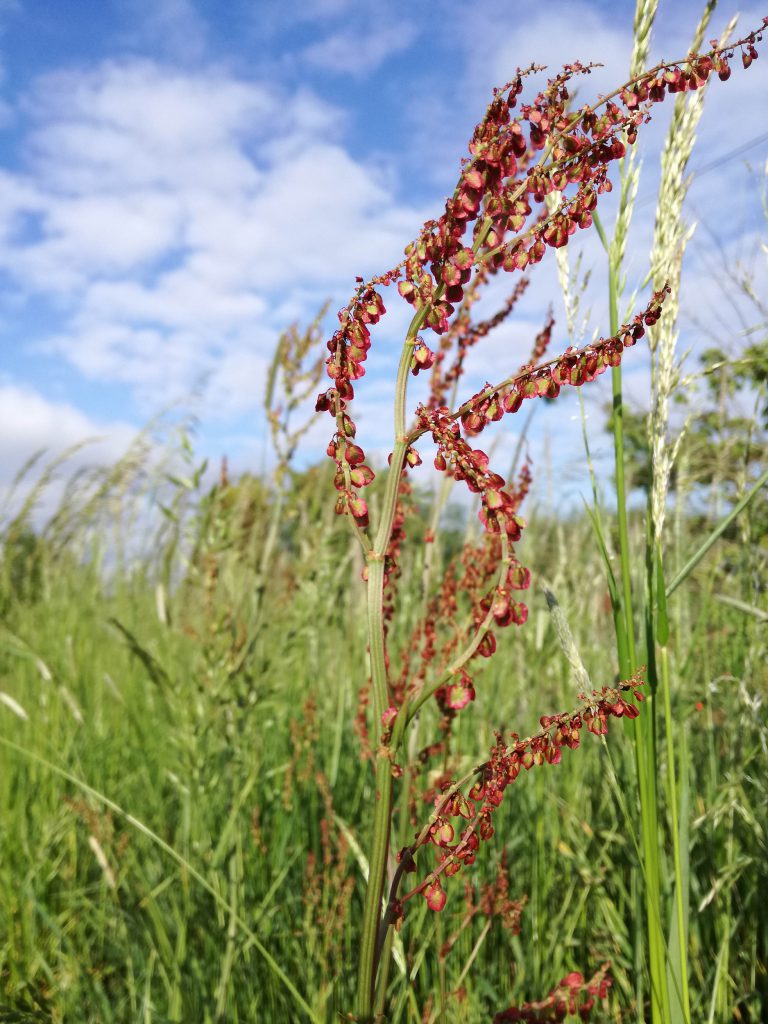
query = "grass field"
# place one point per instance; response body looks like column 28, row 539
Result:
column 184, row 798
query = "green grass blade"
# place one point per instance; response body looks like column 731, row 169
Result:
column 718, row 531
column 180, row 860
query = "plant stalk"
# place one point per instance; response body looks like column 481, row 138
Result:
column 643, row 727
column 369, row 946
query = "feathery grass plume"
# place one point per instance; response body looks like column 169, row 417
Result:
column 15, row 707
column 566, row 639
column 629, row 179
column 112, row 494
column 645, row 15
column 294, row 375
column 7, row 505
column 20, row 518
column 573, row 284
column 671, row 236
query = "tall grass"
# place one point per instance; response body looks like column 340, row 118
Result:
column 663, row 842
column 254, row 782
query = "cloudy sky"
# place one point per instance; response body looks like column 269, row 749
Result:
column 180, row 179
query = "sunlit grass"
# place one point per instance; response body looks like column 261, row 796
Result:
column 246, row 768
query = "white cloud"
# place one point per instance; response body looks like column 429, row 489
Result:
column 88, row 236
column 554, row 35
column 123, row 124
column 170, row 214
column 30, row 423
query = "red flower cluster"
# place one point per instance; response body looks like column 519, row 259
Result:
column 574, row 367
column 423, row 358
column 349, row 349
column 477, row 807
column 543, row 338
column 523, row 486
column 350, row 344
column 351, row 474
column 493, row 192
column 499, row 191
column 500, row 603
column 572, row 996
column 455, row 456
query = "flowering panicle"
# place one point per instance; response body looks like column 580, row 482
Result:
column 476, row 809
column 521, row 156
column 574, row 995
column 348, row 351
column 574, row 367
column 456, row 457
column 502, row 192
column 494, row 192
column 438, row 264
column 543, row 338
column 524, row 480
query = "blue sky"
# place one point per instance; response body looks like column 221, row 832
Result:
column 180, row 179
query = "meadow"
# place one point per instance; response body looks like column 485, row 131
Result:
column 190, row 728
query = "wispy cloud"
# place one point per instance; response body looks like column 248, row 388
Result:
column 30, row 423
column 175, row 28
column 171, row 214
column 355, row 53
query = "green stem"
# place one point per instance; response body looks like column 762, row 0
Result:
column 675, row 823
column 366, row 979
column 369, row 941
column 644, row 729
column 621, row 509
column 382, row 817
column 628, row 646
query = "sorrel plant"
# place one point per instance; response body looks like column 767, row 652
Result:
column 535, row 174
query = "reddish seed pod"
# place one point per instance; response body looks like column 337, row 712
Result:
column 361, row 476
column 513, row 401
column 353, row 454
column 434, row 895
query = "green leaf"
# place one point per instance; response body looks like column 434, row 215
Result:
column 718, row 531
